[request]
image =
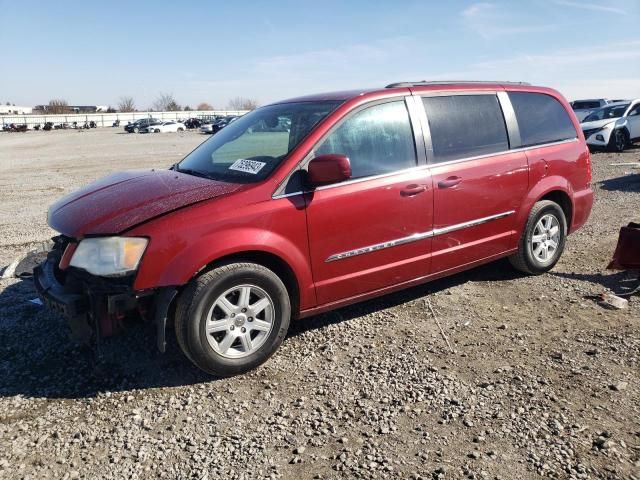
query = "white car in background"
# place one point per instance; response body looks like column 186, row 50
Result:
column 164, row 127
column 614, row 126
column 582, row 108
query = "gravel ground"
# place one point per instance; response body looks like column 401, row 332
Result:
column 541, row 381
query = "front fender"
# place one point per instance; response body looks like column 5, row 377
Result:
column 185, row 242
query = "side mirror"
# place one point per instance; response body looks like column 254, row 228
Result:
column 330, row 168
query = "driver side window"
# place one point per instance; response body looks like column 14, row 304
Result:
column 635, row 111
column 377, row 140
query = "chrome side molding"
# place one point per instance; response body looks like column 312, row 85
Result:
column 416, row 237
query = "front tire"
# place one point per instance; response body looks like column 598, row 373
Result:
column 136, row 129
column 618, row 141
column 543, row 239
column 232, row 318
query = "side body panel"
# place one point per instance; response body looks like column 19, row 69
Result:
column 352, row 230
column 563, row 167
column 490, row 188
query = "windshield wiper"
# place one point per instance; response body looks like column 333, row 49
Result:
column 195, row 173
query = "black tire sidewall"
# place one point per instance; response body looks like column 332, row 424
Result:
column 199, row 348
column 614, row 140
column 532, row 263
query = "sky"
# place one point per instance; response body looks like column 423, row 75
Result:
column 94, row 52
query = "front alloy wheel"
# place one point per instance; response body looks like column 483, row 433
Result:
column 240, row 321
column 232, row 318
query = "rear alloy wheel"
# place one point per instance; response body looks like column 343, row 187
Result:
column 233, row 318
column 618, row 141
column 543, row 239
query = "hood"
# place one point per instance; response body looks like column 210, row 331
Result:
column 597, row 123
column 122, row 200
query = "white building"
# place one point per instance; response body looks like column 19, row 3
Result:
column 15, row 110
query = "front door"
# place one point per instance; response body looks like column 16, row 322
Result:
column 371, row 231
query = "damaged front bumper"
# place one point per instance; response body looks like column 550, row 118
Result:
column 94, row 306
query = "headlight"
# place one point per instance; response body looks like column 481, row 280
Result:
column 109, row 256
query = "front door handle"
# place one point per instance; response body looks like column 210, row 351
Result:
column 412, row 189
column 449, row 182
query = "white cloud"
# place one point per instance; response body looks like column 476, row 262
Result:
column 610, row 70
column 596, row 7
column 490, row 20
column 282, row 76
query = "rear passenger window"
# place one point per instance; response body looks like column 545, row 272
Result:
column 377, row 140
column 541, row 118
column 465, row 126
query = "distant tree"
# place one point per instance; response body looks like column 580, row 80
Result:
column 58, row 106
column 204, row 106
column 187, row 108
column 166, row 103
column 126, row 104
column 110, row 109
column 240, row 103
column 8, row 103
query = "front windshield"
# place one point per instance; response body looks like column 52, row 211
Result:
column 250, row 148
column 613, row 111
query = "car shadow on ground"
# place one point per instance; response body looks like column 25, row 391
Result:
column 38, row 359
column 620, row 282
column 624, row 183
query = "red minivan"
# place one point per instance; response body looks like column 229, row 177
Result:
column 314, row 203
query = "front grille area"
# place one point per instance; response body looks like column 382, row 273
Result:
column 589, row 132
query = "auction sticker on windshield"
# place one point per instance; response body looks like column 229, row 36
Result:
column 247, row 166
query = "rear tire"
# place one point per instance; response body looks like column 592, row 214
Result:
column 618, row 141
column 543, row 239
column 233, row 318
column 157, row 130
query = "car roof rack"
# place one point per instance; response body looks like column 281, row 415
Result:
column 449, row 82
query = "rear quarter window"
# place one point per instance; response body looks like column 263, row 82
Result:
column 541, row 118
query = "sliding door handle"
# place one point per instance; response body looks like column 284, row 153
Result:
column 412, row 189
column 449, row 182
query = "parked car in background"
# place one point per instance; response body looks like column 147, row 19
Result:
column 614, row 126
column 192, row 123
column 206, row 127
column 367, row 193
column 223, row 122
column 164, row 127
column 138, row 125
column 582, row 108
